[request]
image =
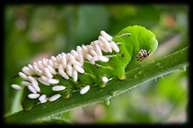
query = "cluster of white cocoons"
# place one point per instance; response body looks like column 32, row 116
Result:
column 67, row 65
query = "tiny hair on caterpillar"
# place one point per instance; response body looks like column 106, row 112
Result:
column 104, row 59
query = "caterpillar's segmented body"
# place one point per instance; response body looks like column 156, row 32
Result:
column 96, row 63
column 67, row 65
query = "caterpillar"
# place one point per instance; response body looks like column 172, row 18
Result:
column 106, row 58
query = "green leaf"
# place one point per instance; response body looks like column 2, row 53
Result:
column 115, row 87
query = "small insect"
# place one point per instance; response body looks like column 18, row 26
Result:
column 47, row 80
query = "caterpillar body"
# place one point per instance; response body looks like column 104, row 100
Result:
column 89, row 65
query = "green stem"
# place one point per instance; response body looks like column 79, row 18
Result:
column 136, row 76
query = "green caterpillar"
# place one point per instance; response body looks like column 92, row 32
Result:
column 90, row 65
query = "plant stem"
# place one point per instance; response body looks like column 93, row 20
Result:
column 134, row 77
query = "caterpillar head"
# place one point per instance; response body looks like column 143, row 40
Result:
column 142, row 54
column 147, row 44
column 141, row 41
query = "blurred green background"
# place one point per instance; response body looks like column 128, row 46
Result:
column 33, row 32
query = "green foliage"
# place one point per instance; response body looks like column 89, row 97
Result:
column 33, row 32
column 115, row 87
